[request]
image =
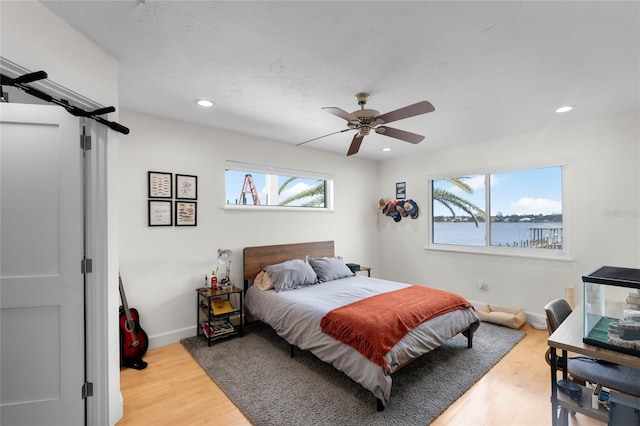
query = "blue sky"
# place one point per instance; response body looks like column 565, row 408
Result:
column 235, row 180
column 536, row 191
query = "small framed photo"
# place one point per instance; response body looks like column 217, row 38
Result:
column 186, row 187
column 186, row 213
column 401, row 190
column 160, row 213
column 160, row 185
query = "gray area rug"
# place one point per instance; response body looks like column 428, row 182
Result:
column 270, row 388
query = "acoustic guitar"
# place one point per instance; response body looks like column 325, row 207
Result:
column 133, row 339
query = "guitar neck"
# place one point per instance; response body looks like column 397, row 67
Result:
column 124, row 300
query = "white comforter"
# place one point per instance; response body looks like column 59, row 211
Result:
column 295, row 315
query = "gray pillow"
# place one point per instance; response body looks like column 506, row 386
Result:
column 291, row 274
column 330, row 268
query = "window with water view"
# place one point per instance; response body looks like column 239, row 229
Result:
column 253, row 185
column 516, row 209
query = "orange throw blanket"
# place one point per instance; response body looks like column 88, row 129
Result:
column 375, row 324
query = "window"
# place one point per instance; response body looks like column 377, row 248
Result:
column 254, row 186
column 518, row 211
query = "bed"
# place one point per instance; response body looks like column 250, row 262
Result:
column 302, row 315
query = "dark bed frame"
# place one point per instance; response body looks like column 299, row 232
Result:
column 259, row 257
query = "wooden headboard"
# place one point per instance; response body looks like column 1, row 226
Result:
column 256, row 258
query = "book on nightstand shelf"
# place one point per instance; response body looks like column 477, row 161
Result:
column 217, row 327
column 219, row 307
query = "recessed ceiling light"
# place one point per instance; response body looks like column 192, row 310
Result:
column 205, row 103
column 564, row 109
column 386, row 149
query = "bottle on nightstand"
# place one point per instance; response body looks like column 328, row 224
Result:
column 214, row 280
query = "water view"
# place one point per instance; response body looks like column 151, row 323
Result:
column 519, row 234
column 524, row 207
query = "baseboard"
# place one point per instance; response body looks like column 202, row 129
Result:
column 170, row 337
column 537, row 321
column 174, row 336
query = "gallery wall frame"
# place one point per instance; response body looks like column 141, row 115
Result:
column 160, row 213
column 186, row 187
column 160, row 184
column 186, row 213
column 169, row 207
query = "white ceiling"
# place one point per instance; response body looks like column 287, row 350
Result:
column 491, row 69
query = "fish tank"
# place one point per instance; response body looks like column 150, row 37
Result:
column 611, row 314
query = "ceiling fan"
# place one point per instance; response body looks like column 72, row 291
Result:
column 364, row 120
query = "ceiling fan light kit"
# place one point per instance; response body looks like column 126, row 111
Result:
column 363, row 120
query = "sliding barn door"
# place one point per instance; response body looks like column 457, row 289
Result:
column 41, row 282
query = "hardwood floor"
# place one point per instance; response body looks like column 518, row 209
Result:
column 174, row 390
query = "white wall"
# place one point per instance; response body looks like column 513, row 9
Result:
column 38, row 39
column 602, row 196
column 162, row 266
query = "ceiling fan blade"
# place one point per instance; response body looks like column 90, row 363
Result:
column 320, row 137
column 399, row 134
column 355, row 144
column 422, row 107
column 342, row 114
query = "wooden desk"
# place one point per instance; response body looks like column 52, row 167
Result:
column 568, row 337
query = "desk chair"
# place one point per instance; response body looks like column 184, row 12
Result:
column 582, row 369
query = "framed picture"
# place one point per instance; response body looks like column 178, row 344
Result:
column 186, row 213
column 160, row 213
column 160, row 185
column 401, row 190
column 186, row 187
